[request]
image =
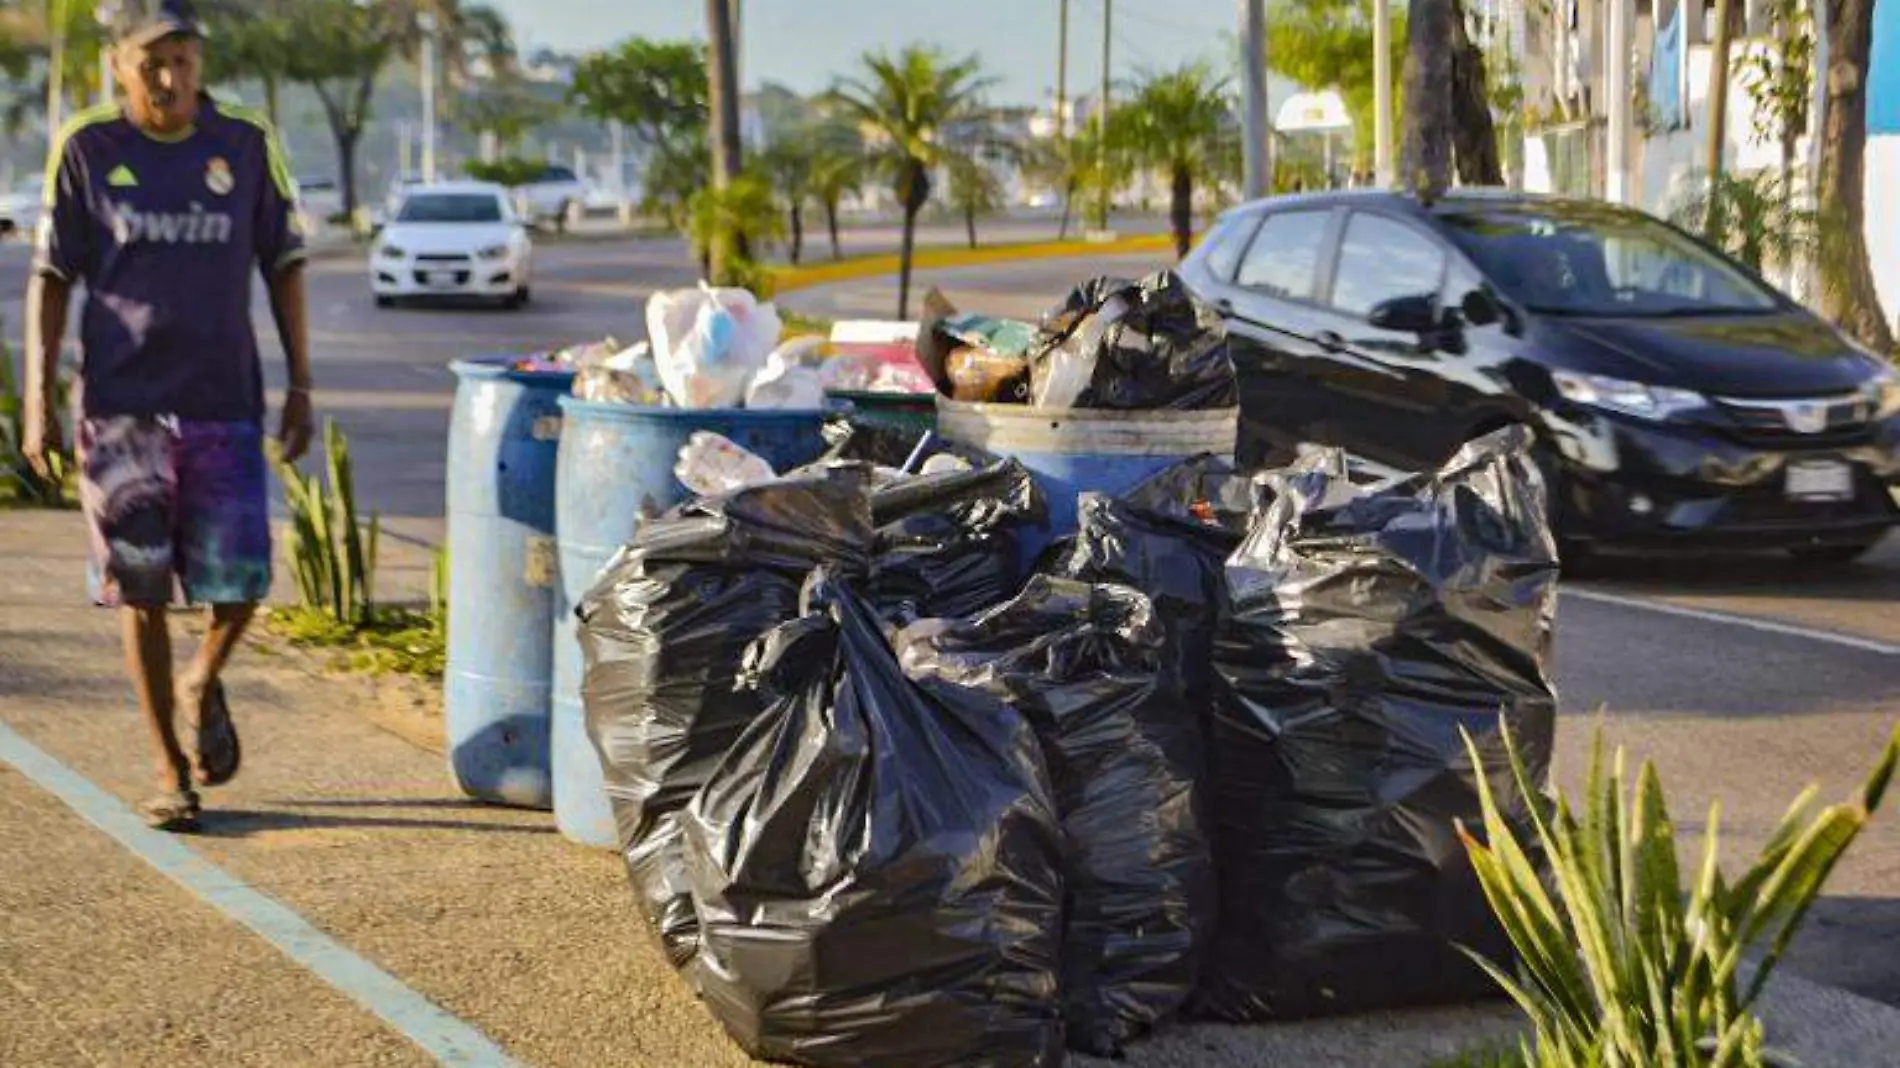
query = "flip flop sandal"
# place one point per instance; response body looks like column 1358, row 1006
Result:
column 219, row 753
column 175, row 811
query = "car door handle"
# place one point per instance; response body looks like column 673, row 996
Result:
column 1224, row 306
column 1329, row 341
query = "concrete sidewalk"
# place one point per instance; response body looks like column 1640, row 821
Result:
column 345, row 814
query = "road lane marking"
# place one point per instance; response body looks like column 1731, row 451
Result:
column 1766, row 626
column 447, row 1038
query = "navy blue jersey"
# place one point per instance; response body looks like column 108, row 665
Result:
column 164, row 235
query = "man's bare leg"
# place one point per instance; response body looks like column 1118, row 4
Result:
column 228, row 623
column 148, row 662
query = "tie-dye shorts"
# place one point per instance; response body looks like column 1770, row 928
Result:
column 173, row 503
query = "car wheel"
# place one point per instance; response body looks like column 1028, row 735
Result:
column 1576, row 556
column 1833, row 555
column 560, row 217
column 385, row 302
column 518, row 299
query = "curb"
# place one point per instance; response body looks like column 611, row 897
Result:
column 793, row 279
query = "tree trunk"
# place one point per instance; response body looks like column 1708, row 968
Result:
column 904, row 251
column 1181, row 210
column 969, row 221
column 798, row 232
column 1847, row 294
column 346, row 166
column 1475, row 137
column 270, row 100
column 1426, row 142
column 831, row 224
column 1068, row 208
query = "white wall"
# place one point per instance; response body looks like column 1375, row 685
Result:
column 1883, row 219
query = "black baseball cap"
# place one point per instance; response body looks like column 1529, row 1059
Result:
column 143, row 22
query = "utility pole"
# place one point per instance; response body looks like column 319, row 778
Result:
column 737, row 15
column 426, row 20
column 1257, row 154
column 1062, row 74
column 1619, row 91
column 1382, row 93
column 723, row 96
column 1101, row 147
column 105, row 13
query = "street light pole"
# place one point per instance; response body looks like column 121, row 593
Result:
column 1101, row 148
column 105, row 13
column 1618, row 90
column 1256, row 154
column 427, row 22
column 1062, row 74
column 1382, row 92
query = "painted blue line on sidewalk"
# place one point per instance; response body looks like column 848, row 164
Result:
column 445, row 1037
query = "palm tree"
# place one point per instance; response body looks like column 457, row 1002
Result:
column 974, row 190
column 744, row 207
column 1178, row 123
column 836, row 173
column 788, row 163
column 903, row 106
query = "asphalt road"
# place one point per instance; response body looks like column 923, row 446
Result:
column 1744, row 679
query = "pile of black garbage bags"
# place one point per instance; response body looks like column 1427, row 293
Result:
column 892, row 796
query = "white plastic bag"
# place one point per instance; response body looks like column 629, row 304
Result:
column 708, row 343
column 784, row 384
column 711, row 464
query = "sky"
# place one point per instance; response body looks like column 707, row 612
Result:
column 802, row 44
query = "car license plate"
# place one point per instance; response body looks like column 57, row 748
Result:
column 1820, row 480
column 441, row 278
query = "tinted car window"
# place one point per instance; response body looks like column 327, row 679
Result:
column 451, row 208
column 558, row 174
column 1225, row 245
column 1382, row 259
column 1283, row 260
column 1568, row 258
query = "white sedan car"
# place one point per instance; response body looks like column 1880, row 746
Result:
column 455, row 239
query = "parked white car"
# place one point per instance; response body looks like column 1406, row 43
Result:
column 454, row 239
column 557, row 197
column 20, row 209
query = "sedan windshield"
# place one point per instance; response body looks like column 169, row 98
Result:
column 450, row 208
column 1598, row 260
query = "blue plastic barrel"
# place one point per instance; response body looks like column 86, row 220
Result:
column 1072, row 451
column 504, row 438
column 616, row 466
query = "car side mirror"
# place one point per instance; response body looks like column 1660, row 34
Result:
column 1406, row 315
column 1480, row 308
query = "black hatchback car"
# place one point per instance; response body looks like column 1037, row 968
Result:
column 1677, row 399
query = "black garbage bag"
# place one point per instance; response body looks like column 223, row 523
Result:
column 949, row 544
column 1170, row 537
column 1133, row 346
column 876, row 864
column 1127, row 758
column 1368, row 627
column 664, row 635
column 856, row 439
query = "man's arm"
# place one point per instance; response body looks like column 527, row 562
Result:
column 288, row 307
column 47, row 299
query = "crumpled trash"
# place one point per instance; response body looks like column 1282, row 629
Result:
column 896, row 448
column 876, row 863
column 786, row 383
column 708, row 343
column 978, row 375
column 1133, row 346
column 565, row 360
column 949, row 541
column 1127, row 757
column 626, row 377
column 1368, row 627
column 712, row 465
column 663, row 636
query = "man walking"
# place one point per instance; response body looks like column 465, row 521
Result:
column 162, row 209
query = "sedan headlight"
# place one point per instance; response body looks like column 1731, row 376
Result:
column 1884, row 391
column 494, row 252
column 391, row 252
column 1629, row 398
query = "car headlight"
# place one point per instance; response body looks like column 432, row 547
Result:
column 391, row 252
column 1629, row 398
column 1884, row 390
column 494, row 252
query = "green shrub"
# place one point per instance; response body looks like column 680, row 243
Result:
column 510, row 172
column 1620, row 964
column 19, row 483
column 331, row 552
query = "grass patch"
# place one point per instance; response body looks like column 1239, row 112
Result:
column 1498, row 1057
column 797, row 323
column 816, row 274
column 391, row 641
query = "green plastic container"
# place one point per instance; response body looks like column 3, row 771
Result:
column 911, row 412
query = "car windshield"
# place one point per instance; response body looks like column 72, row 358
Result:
column 450, row 208
column 1599, row 260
